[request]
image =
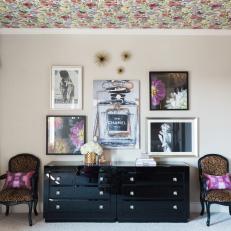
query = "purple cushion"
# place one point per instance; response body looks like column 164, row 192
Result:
column 18, row 179
column 218, row 182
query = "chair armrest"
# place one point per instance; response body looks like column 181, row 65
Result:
column 34, row 186
column 2, row 177
column 204, row 187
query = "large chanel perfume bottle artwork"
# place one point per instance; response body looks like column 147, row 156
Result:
column 116, row 110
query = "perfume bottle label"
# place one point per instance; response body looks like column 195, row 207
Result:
column 118, row 123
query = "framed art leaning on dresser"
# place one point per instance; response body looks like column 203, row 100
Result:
column 172, row 137
column 65, row 134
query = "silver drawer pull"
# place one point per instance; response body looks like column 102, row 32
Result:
column 101, row 193
column 101, row 207
column 132, row 207
column 101, row 179
column 58, row 178
column 132, row 179
column 175, row 207
column 57, row 207
column 174, row 179
column 175, row 193
column 57, row 193
column 132, row 193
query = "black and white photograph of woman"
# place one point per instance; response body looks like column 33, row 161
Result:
column 172, row 136
column 66, row 87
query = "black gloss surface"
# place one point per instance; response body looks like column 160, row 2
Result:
column 118, row 191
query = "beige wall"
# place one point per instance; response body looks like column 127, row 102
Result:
column 25, row 63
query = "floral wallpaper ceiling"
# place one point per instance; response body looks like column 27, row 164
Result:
column 179, row 14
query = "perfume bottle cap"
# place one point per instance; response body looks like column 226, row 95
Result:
column 95, row 138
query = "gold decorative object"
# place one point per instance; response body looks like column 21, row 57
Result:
column 126, row 55
column 101, row 58
column 102, row 159
column 120, row 70
column 90, row 158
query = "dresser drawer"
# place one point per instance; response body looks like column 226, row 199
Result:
column 93, row 192
column 158, row 178
column 93, row 180
column 149, row 210
column 93, row 175
column 79, row 206
column 80, row 192
column 62, row 178
column 155, row 192
column 62, row 192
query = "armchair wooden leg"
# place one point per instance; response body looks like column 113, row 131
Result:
column 202, row 207
column 7, row 210
column 35, row 207
column 30, row 204
column 208, row 213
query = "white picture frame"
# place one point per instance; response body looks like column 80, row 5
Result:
column 168, row 137
column 66, row 88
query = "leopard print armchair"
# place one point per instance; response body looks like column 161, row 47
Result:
column 218, row 165
column 12, row 196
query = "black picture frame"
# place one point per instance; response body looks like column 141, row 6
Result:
column 65, row 134
column 171, row 89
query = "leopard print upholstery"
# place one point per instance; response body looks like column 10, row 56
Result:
column 219, row 195
column 214, row 165
column 16, row 195
column 23, row 163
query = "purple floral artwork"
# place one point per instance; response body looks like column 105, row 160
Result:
column 168, row 90
column 77, row 135
column 65, row 134
column 158, row 91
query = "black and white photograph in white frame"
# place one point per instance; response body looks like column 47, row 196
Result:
column 66, row 87
column 172, row 137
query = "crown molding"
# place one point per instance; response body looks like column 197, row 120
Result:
column 76, row 31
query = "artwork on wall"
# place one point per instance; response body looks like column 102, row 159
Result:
column 66, row 87
column 116, row 113
column 126, row 55
column 168, row 90
column 102, row 58
column 65, row 134
column 172, row 137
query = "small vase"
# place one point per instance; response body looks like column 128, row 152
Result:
column 90, row 158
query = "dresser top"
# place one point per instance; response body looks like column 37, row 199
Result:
column 113, row 164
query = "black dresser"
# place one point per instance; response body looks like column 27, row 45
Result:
column 117, row 192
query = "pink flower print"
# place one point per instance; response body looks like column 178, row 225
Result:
column 77, row 135
column 58, row 122
column 158, row 92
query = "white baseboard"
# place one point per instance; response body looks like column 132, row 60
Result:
column 195, row 207
column 23, row 208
